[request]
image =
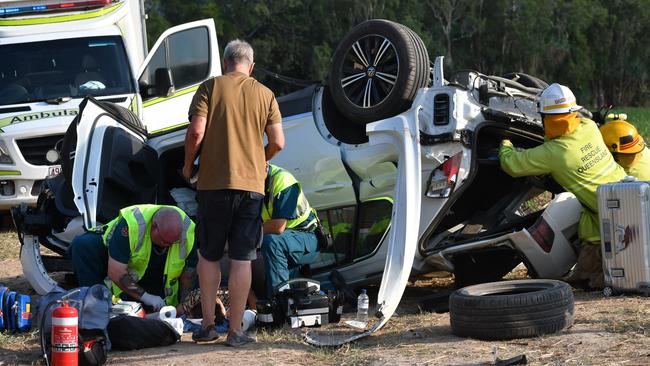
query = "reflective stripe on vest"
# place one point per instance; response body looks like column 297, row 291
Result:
column 280, row 179
column 142, row 227
column 138, row 219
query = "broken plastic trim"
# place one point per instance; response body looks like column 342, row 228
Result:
column 402, row 133
column 443, row 179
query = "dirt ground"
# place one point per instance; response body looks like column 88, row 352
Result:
column 607, row 331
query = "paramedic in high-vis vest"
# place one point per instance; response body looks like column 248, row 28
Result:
column 288, row 224
column 627, row 147
column 147, row 252
column 575, row 155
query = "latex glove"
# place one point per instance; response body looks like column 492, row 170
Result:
column 156, row 302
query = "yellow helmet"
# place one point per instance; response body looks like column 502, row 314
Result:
column 622, row 137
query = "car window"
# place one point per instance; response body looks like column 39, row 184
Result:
column 340, row 223
column 73, row 67
column 374, row 221
column 189, row 57
column 148, row 79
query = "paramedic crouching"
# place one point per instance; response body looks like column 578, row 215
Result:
column 289, row 223
column 147, row 251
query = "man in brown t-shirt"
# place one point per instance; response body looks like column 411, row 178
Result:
column 229, row 116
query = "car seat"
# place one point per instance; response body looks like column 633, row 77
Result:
column 91, row 71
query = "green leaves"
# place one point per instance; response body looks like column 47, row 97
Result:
column 598, row 48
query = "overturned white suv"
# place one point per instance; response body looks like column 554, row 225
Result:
column 400, row 162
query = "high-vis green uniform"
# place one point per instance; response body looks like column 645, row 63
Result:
column 278, row 180
column 138, row 219
column 579, row 161
column 641, row 167
column 297, row 245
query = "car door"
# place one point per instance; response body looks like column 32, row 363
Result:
column 113, row 167
column 190, row 53
column 315, row 163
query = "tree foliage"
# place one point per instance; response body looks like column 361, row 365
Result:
column 598, row 48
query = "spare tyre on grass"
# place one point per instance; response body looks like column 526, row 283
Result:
column 511, row 309
column 377, row 70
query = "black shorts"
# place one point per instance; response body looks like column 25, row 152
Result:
column 229, row 216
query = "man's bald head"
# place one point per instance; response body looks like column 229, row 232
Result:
column 166, row 227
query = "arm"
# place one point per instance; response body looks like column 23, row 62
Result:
column 193, row 139
column 275, row 137
column 284, row 209
column 525, row 162
column 274, row 226
column 119, row 274
column 187, row 280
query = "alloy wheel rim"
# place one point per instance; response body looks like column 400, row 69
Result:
column 369, row 71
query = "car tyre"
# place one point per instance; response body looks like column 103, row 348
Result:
column 377, row 70
column 511, row 309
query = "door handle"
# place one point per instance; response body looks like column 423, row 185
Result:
column 329, row 187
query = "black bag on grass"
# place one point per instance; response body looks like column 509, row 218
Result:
column 130, row 332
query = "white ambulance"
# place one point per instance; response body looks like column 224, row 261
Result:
column 54, row 53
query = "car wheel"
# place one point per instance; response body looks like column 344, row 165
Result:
column 481, row 267
column 526, row 80
column 511, row 309
column 377, row 69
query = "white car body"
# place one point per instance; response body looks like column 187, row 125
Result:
column 35, row 124
column 391, row 190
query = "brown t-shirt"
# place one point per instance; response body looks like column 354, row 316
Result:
column 238, row 108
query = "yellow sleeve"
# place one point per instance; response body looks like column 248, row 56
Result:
column 526, row 162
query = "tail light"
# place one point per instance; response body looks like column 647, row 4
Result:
column 543, row 234
column 443, row 178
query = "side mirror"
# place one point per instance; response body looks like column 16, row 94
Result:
column 164, row 83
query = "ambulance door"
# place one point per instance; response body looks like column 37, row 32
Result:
column 181, row 59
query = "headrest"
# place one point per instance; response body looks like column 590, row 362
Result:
column 89, row 63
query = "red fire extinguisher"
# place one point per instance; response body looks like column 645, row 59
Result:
column 65, row 338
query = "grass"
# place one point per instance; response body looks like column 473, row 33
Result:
column 638, row 116
column 9, row 245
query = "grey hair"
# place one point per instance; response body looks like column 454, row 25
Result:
column 168, row 218
column 238, row 52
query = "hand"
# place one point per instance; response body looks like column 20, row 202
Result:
column 156, row 302
column 187, row 171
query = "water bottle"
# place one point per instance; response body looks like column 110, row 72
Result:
column 363, row 301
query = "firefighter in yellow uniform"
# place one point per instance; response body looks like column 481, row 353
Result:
column 575, row 155
column 627, row 147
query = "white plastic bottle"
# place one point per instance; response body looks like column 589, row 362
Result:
column 363, row 302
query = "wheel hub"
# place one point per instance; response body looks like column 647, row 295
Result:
column 370, row 71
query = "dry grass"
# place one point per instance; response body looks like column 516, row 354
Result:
column 612, row 331
column 9, row 245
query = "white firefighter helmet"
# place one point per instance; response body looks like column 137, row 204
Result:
column 557, row 99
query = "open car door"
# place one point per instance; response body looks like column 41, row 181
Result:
column 181, row 59
column 113, row 167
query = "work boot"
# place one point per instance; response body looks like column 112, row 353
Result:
column 205, row 335
column 588, row 271
column 238, row 339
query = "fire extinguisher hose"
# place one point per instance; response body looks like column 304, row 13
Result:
column 40, row 328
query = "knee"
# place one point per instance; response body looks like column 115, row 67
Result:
column 270, row 245
column 85, row 244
